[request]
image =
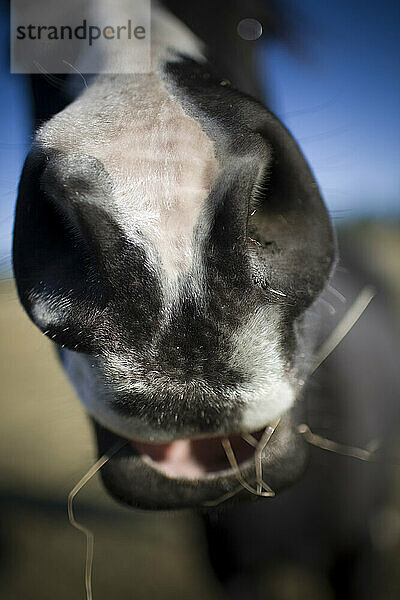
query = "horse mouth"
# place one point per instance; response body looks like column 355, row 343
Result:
column 202, row 472
column 198, row 458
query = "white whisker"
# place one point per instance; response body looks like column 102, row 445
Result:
column 76, row 71
column 332, row 309
column 336, row 293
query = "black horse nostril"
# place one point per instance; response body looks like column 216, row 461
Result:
column 72, row 261
column 56, row 270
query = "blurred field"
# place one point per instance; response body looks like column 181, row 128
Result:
column 46, row 446
column 376, row 247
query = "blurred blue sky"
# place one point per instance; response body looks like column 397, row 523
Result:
column 341, row 102
column 15, row 132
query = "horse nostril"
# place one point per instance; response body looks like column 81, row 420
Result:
column 73, row 263
column 56, row 270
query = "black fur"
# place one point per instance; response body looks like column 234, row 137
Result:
column 103, row 297
column 108, row 300
column 250, row 141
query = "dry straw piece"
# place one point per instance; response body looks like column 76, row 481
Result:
column 262, row 489
column 89, row 534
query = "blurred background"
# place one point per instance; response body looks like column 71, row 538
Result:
column 338, row 90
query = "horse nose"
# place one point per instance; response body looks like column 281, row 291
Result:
column 71, row 259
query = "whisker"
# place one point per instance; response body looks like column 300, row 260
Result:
column 77, row 71
column 332, row 309
column 277, row 292
column 336, row 293
column 87, row 532
column 345, row 325
column 56, row 82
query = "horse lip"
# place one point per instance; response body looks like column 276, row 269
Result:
column 135, row 482
column 194, row 458
column 198, row 456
